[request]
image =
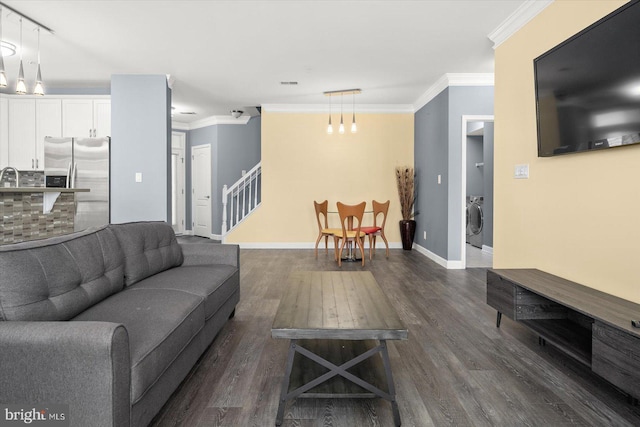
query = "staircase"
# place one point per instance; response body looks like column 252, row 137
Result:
column 242, row 198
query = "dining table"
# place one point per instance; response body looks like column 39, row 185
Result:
column 351, row 256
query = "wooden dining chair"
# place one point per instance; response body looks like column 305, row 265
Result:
column 323, row 225
column 375, row 230
column 351, row 223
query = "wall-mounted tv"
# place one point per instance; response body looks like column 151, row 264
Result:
column 588, row 87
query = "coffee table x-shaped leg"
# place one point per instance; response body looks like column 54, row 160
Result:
column 335, row 370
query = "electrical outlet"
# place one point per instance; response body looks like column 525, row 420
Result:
column 138, row 176
column 425, row 235
column 439, row 179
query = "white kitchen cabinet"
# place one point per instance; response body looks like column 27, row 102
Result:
column 22, row 133
column 86, row 117
column 26, row 120
column 48, row 123
column 102, row 117
column 4, row 132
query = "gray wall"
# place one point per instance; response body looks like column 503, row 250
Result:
column 487, row 232
column 438, row 150
column 233, row 148
column 475, row 175
column 140, row 142
column 463, row 100
column 430, row 157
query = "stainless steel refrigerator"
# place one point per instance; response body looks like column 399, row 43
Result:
column 81, row 163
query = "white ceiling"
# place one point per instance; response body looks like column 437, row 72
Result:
column 228, row 55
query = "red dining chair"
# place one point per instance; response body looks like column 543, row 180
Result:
column 375, row 230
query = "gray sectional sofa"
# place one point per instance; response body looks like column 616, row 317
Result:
column 110, row 321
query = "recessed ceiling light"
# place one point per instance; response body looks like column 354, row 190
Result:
column 289, row 83
column 187, row 112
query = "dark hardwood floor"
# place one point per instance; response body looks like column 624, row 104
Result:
column 456, row 368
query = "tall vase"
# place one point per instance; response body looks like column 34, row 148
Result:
column 407, row 233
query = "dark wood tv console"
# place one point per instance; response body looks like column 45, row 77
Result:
column 591, row 326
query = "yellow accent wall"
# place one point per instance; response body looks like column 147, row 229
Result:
column 577, row 216
column 302, row 163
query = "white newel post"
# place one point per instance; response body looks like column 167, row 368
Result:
column 224, row 209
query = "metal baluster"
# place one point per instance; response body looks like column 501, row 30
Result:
column 237, row 206
column 244, row 198
column 250, row 190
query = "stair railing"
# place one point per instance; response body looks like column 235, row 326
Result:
column 242, row 198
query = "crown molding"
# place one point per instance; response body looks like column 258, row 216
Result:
column 453, row 79
column 179, row 125
column 518, row 19
column 324, row 108
column 210, row 121
column 470, row 79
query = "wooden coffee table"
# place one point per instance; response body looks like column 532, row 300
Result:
column 337, row 321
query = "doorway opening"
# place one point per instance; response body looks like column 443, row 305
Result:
column 178, row 206
column 476, row 216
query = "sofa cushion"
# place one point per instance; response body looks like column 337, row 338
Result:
column 58, row 278
column 214, row 283
column 149, row 248
column 160, row 324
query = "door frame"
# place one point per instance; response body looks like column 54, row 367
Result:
column 466, row 119
column 193, row 200
column 178, row 145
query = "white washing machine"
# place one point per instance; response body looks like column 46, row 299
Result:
column 475, row 220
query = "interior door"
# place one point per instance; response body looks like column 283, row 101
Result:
column 201, row 190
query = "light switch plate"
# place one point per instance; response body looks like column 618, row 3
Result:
column 138, row 176
column 521, row 171
column 439, row 179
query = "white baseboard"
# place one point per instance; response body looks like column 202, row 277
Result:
column 305, row 245
column 487, row 249
column 449, row 265
column 187, row 233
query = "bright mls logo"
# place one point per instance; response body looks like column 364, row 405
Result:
column 34, row 415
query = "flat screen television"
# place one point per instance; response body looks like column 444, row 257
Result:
column 588, row 87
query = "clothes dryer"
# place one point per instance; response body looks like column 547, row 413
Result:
column 475, row 221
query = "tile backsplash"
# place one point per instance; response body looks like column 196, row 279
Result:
column 28, row 178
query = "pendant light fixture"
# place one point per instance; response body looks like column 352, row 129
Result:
column 3, row 76
column 341, row 128
column 38, row 89
column 353, row 92
column 354, row 128
column 330, row 127
column 21, row 88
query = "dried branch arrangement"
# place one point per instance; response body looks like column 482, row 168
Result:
column 406, row 190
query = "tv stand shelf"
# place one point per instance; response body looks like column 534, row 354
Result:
column 591, row 326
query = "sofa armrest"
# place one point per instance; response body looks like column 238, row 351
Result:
column 211, row 253
column 81, row 364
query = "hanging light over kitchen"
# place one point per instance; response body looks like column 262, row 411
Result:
column 21, row 88
column 9, row 49
column 38, row 89
column 3, row 76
